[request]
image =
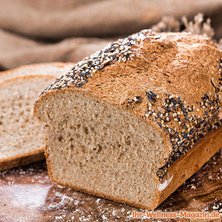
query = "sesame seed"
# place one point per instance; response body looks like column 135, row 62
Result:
column 152, row 97
column 120, row 51
column 189, row 128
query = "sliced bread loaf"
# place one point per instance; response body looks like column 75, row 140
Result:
column 133, row 121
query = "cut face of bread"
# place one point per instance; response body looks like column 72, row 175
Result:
column 21, row 134
column 102, row 149
column 133, row 121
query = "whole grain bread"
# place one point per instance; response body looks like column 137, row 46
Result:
column 133, row 121
column 21, row 134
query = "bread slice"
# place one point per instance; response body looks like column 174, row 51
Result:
column 21, row 135
column 133, row 121
column 53, row 69
column 21, row 139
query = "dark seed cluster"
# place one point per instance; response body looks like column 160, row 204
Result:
column 136, row 99
column 151, row 96
column 181, row 122
column 119, row 51
column 130, row 103
column 216, row 205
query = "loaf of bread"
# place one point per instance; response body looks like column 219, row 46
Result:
column 21, row 134
column 133, row 121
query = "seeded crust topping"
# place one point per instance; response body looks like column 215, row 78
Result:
column 179, row 120
column 120, row 51
column 181, row 124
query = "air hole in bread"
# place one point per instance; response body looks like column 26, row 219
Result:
column 86, row 131
column 60, row 138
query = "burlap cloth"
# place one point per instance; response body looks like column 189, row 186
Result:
column 34, row 31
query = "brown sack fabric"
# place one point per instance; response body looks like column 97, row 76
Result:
column 16, row 50
column 46, row 30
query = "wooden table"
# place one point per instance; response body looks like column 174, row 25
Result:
column 28, row 195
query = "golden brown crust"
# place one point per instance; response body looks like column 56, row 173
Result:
column 22, row 159
column 175, row 63
column 35, row 66
column 192, row 161
column 8, row 81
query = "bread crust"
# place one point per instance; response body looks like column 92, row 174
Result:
column 35, row 66
column 24, row 78
column 22, row 70
column 191, row 162
column 22, row 159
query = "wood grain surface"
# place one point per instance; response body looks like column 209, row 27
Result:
column 28, row 195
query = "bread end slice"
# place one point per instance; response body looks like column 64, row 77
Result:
column 21, row 134
column 21, row 144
